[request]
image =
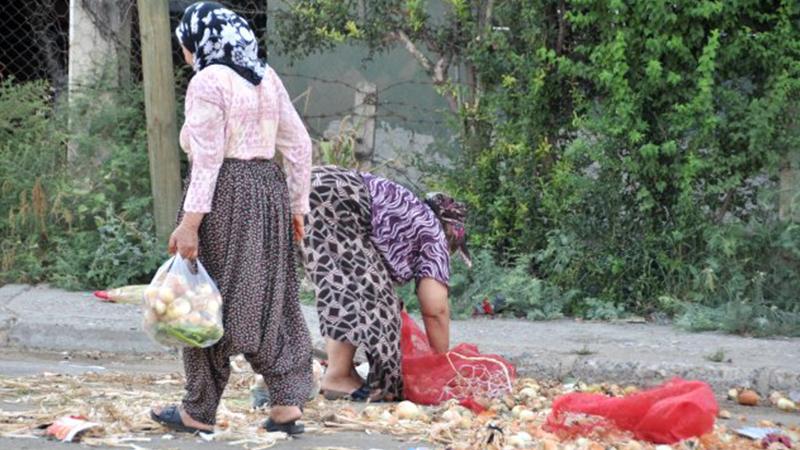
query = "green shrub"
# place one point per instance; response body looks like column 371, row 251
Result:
column 84, row 223
column 741, row 318
column 32, row 150
column 595, row 309
column 118, row 252
column 635, row 150
column 525, row 296
column 623, row 144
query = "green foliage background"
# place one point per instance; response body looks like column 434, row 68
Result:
column 638, row 159
column 626, row 154
column 80, row 224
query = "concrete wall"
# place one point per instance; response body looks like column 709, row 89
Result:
column 411, row 116
column 99, row 40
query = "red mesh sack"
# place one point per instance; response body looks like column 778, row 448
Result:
column 672, row 412
column 463, row 373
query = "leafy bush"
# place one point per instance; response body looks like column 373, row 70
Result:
column 120, row 251
column 32, row 151
column 742, row 318
column 85, row 223
column 637, row 152
column 623, row 144
column 524, row 296
column 595, row 309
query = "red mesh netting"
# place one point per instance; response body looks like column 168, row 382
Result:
column 667, row 414
column 463, row 373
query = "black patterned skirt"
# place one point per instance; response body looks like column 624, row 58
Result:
column 356, row 299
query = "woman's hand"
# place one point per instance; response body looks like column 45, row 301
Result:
column 184, row 239
column 298, row 227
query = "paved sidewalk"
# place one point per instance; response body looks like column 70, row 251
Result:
column 646, row 354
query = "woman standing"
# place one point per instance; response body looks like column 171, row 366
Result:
column 365, row 235
column 237, row 218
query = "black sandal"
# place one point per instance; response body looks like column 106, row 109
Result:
column 170, row 417
column 361, row 394
column 291, row 428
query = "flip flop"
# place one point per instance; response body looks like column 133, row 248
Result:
column 359, row 395
column 291, row 428
column 170, row 417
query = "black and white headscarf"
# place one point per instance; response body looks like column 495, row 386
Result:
column 216, row 35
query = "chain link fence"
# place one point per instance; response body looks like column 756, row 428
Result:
column 35, row 43
column 35, row 40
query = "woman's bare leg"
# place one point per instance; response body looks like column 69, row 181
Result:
column 339, row 376
column 285, row 414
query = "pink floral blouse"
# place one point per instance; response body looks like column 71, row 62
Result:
column 229, row 117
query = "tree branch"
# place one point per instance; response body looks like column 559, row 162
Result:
column 562, row 27
column 423, row 60
column 437, row 71
column 427, row 36
column 440, row 69
column 723, row 209
column 486, row 25
column 440, row 79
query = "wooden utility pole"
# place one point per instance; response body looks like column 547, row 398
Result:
column 162, row 129
column 366, row 105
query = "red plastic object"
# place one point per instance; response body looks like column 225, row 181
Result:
column 670, row 413
column 472, row 405
column 103, row 295
column 463, row 373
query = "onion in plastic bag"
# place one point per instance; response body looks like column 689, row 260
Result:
column 182, row 306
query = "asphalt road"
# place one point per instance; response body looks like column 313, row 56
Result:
column 338, row 441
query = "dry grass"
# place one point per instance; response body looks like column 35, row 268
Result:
column 121, row 403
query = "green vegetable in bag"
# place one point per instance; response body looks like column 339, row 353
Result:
column 183, row 307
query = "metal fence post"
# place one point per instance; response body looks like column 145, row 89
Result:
column 366, row 105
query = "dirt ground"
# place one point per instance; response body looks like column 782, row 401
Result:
column 36, row 388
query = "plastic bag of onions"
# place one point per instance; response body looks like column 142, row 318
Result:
column 182, row 305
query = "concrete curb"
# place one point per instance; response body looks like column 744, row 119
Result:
column 596, row 370
column 8, row 319
column 39, row 318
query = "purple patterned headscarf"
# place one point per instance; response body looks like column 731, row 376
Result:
column 453, row 215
